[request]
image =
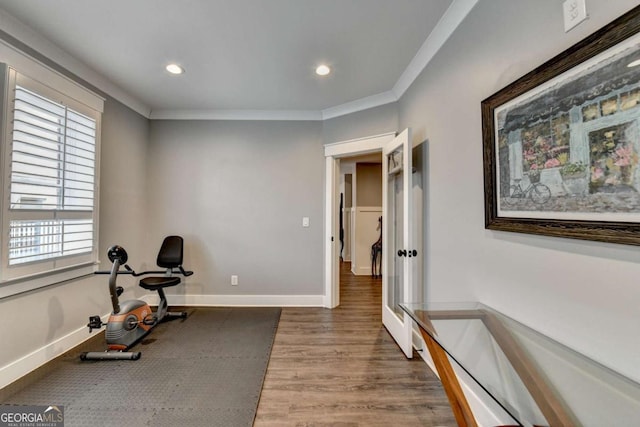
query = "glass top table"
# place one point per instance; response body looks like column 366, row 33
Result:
column 536, row 380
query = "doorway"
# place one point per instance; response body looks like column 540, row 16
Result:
column 402, row 255
column 360, row 212
column 334, row 153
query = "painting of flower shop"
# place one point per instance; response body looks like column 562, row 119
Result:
column 575, row 146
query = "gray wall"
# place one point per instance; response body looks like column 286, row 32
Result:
column 238, row 191
column 374, row 121
column 123, row 178
column 583, row 294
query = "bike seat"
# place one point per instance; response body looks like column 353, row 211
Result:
column 169, row 257
column 155, row 282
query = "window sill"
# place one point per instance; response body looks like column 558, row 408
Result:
column 22, row 285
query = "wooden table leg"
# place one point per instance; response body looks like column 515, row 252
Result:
column 457, row 400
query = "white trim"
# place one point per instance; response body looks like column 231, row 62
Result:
column 359, row 105
column 361, row 257
column 21, row 367
column 239, row 300
column 23, row 277
column 445, row 27
column 369, row 144
column 331, row 294
column 39, row 280
column 289, row 115
column 333, row 152
column 30, row 67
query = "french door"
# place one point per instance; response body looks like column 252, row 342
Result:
column 399, row 250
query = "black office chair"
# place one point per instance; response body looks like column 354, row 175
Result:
column 170, row 258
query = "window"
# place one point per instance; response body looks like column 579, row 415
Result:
column 50, row 174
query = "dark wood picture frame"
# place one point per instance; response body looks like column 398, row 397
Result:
column 560, row 116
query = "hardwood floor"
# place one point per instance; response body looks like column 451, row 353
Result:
column 341, row 367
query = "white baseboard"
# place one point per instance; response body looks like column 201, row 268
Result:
column 21, row 367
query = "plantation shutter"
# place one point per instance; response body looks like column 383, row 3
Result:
column 52, row 180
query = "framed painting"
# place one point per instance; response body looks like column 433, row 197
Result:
column 562, row 143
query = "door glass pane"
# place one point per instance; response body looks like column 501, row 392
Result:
column 395, row 275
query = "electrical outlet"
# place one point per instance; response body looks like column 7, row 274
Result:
column 574, row 12
column 234, row 280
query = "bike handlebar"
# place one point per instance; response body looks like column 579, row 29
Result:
column 179, row 270
column 131, row 271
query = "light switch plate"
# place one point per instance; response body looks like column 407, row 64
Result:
column 574, row 12
column 305, row 221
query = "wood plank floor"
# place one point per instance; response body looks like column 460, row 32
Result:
column 341, row 367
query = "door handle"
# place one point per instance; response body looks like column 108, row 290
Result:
column 410, row 253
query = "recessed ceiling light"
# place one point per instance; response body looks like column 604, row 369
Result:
column 634, row 63
column 175, row 69
column 323, row 70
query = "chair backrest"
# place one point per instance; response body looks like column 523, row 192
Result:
column 170, row 254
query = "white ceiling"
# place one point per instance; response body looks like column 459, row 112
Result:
column 245, row 55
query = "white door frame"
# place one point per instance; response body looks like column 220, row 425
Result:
column 333, row 153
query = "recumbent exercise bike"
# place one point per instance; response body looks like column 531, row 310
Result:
column 133, row 319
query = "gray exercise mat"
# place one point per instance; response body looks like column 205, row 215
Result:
column 206, row 370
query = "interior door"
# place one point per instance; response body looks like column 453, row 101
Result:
column 398, row 250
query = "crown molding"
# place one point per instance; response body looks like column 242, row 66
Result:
column 447, row 24
column 451, row 19
column 295, row 115
column 42, row 50
column 359, row 105
column 455, row 14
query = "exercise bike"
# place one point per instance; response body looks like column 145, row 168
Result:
column 132, row 320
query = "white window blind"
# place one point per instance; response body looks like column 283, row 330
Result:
column 52, row 168
column 51, row 176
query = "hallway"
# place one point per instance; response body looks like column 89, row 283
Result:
column 341, row 367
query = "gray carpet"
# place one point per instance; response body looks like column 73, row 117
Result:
column 206, row 370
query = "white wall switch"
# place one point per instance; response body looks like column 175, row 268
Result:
column 574, row 11
column 305, row 221
column 234, row 280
